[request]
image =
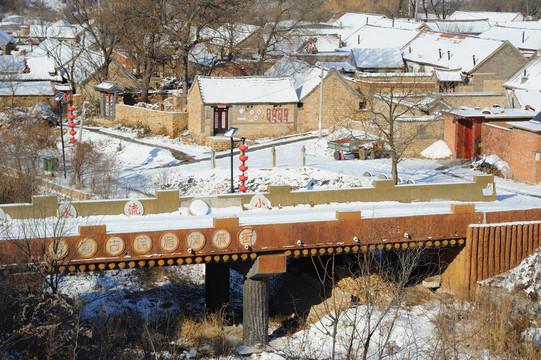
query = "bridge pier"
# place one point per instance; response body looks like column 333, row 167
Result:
column 255, row 298
column 255, row 313
column 216, row 286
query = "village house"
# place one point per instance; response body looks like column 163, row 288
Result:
column 26, row 80
column 258, row 106
column 524, row 87
column 7, row 43
column 469, row 71
column 383, row 60
column 463, row 131
column 528, row 41
column 493, row 17
column 464, row 27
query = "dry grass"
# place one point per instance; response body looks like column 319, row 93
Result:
column 208, row 334
column 490, row 325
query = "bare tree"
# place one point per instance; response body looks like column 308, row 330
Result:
column 100, row 21
column 10, row 68
column 387, row 104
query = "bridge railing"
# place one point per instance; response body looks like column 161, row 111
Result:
column 481, row 189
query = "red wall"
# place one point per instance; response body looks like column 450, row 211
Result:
column 516, row 147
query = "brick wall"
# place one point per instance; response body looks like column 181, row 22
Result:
column 449, row 132
column 159, row 122
column 516, row 147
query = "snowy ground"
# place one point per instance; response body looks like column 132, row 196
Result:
column 147, row 167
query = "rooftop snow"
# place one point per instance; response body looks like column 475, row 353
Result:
column 530, row 98
column 528, row 77
column 340, row 66
column 452, row 75
column 460, row 26
column 12, row 64
column 521, row 38
column 350, row 22
column 489, row 15
column 377, row 58
column 495, row 113
column 27, row 88
column 305, row 78
column 246, row 90
column 373, row 36
column 533, row 126
column 449, row 51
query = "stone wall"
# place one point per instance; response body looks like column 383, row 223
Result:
column 159, row 122
column 25, row 101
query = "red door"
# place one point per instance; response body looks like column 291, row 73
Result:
column 464, row 138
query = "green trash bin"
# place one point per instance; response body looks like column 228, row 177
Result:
column 49, row 164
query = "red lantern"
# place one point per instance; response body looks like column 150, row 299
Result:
column 71, row 124
column 243, row 147
column 243, row 178
column 243, row 168
column 73, row 132
column 71, row 116
column 71, row 108
column 73, row 140
column 243, row 157
column 243, row 188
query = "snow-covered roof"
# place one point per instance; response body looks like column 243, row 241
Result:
column 373, row 36
column 449, row 75
column 201, row 56
column 326, row 43
column 377, row 58
column 449, row 51
column 340, row 66
column 521, row 38
column 404, row 24
column 68, row 57
column 4, row 36
column 494, row 113
column 460, row 26
column 350, row 22
column 492, row 16
column 528, row 77
column 287, row 66
column 230, row 34
column 11, row 64
column 533, row 126
column 26, row 88
column 246, row 90
column 55, row 31
column 531, row 98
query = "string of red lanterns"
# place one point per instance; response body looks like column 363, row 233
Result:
column 71, row 124
column 243, row 167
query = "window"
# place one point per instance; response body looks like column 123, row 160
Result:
column 362, row 105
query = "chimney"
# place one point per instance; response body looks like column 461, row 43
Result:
column 448, row 54
column 393, row 22
column 441, row 54
column 409, row 49
column 524, row 77
column 473, row 60
column 358, row 38
column 523, row 36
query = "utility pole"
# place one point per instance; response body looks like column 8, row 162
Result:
column 416, row 9
column 321, row 103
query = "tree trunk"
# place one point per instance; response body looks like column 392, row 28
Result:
column 394, row 167
column 255, row 314
column 185, row 79
column 146, row 80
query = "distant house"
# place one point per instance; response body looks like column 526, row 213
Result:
column 27, row 80
column 463, row 128
column 258, row 106
column 465, row 27
column 492, row 16
column 377, row 36
column 524, row 86
column 528, row 41
column 470, row 68
column 6, row 42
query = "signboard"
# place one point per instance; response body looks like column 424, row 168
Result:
column 87, row 247
column 259, row 201
column 142, row 244
column 134, row 208
column 115, row 245
column 247, row 237
column 58, row 249
column 67, row 211
column 169, row 242
column 195, row 240
column 221, row 239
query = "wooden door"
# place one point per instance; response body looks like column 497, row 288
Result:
column 220, row 120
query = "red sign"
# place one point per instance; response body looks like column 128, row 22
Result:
column 221, row 106
column 279, row 115
column 285, row 115
column 269, row 115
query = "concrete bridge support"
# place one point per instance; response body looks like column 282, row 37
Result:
column 255, row 313
column 216, row 286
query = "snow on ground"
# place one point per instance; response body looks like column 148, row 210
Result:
column 438, row 150
column 526, row 276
